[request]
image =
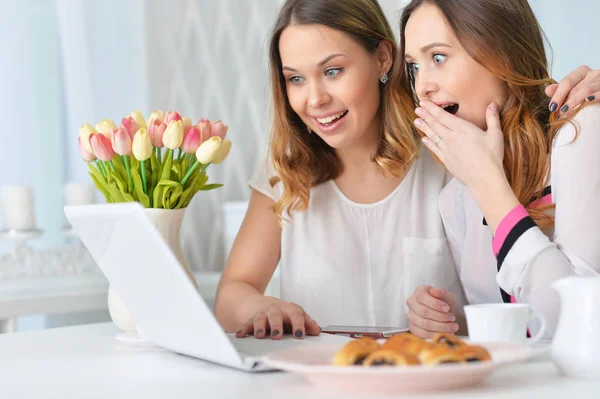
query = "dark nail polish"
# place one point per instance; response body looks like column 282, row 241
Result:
column 591, row 98
column 275, row 333
column 259, row 331
column 553, row 106
column 298, row 333
column 564, row 109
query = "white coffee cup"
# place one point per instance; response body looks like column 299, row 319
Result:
column 502, row 322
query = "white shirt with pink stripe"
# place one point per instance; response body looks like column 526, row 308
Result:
column 522, row 260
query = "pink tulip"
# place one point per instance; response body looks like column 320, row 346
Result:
column 120, row 140
column 101, row 146
column 87, row 157
column 130, row 125
column 156, row 130
column 172, row 116
column 191, row 140
column 218, row 129
column 204, row 126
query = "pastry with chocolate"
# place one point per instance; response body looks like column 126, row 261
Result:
column 355, row 352
column 389, row 358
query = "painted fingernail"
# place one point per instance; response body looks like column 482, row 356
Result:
column 445, row 308
column 591, row 98
column 419, row 111
column 259, row 331
column 417, row 122
column 564, row 109
column 298, row 333
column 275, row 333
column 238, row 331
column 455, row 327
column 553, row 106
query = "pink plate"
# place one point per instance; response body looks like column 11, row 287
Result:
column 314, row 362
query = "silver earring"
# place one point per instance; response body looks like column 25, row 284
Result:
column 385, row 78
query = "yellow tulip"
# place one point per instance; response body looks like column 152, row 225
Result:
column 223, row 151
column 173, row 135
column 139, row 119
column 105, row 127
column 208, row 150
column 158, row 114
column 142, row 146
column 84, row 134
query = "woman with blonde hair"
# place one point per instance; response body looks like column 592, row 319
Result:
column 344, row 202
column 521, row 212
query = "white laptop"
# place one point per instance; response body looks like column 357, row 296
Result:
column 162, row 300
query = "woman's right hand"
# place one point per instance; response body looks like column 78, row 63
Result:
column 278, row 318
column 431, row 311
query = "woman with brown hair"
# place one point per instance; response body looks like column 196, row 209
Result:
column 526, row 176
column 344, row 202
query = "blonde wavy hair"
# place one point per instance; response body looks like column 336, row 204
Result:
column 505, row 37
column 302, row 160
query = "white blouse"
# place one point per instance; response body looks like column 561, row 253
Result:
column 530, row 260
column 356, row 264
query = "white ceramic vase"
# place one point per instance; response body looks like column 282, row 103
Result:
column 168, row 223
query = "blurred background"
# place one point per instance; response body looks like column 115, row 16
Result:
column 64, row 62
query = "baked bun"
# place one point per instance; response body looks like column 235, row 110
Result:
column 472, row 353
column 412, row 346
column 439, row 354
column 449, row 339
column 400, row 339
column 355, row 352
column 389, row 358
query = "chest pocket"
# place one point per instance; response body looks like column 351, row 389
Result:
column 427, row 261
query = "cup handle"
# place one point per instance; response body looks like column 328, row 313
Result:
column 541, row 332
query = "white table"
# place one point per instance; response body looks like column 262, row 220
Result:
column 69, row 294
column 87, row 361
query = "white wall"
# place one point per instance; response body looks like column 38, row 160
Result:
column 572, row 30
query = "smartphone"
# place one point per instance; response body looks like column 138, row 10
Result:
column 363, row 331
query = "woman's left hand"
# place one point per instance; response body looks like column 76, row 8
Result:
column 471, row 154
column 580, row 86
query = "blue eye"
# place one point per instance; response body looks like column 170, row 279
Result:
column 333, row 72
column 296, row 80
column 413, row 67
column 439, row 58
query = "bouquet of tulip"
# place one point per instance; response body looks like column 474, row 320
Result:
column 127, row 163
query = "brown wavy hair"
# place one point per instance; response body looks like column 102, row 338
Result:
column 505, row 37
column 302, row 160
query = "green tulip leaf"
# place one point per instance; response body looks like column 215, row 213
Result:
column 194, row 184
column 138, row 189
column 100, row 184
column 167, row 193
column 210, row 187
column 120, row 168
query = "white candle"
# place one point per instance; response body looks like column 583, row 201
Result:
column 80, row 194
column 17, row 208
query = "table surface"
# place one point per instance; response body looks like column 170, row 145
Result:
column 87, row 361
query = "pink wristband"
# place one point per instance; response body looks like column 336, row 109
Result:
column 517, row 214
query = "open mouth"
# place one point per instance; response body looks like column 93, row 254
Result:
column 330, row 120
column 452, row 108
